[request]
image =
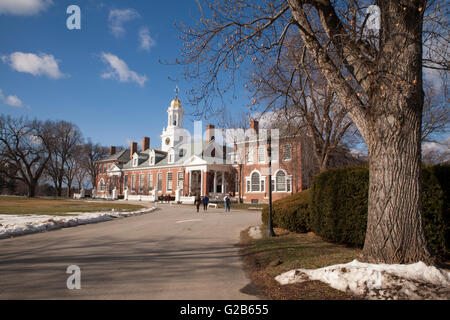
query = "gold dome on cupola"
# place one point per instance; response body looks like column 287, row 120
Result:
column 176, row 103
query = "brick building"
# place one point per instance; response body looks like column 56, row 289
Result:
column 183, row 167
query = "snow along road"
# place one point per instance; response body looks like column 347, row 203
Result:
column 148, row 256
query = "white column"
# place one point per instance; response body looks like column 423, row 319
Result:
column 190, row 181
column 201, row 183
column 223, row 181
column 215, row 182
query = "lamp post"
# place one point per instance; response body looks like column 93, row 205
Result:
column 270, row 232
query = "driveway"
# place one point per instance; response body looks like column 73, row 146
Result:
column 172, row 253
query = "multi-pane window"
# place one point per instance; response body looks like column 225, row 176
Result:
column 169, row 181
column 133, row 182
column 150, row 182
column 159, row 181
column 261, row 154
column 255, row 180
column 287, row 152
column 281, row 181
column 101, row 185
column 141, row 182
column 180, row 180
column 125, row 182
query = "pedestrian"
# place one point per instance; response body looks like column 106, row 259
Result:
column 229, row 202
column 205, row 203
column 226, row 203
column 197, row 201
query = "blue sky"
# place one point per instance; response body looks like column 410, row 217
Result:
column 106, row 77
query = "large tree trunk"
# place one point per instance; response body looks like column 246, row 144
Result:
column 32, row 189
column 394, row 229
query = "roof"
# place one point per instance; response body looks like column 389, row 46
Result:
column 120, row 156
column 162, row 159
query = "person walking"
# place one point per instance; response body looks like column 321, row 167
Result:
column 197, row 201
column 205, row 203
column 226, row 201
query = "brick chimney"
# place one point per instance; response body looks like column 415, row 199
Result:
column 133, row 148
column 112, row 150
column 210, row 132
column 145, row 143
column 254, row 125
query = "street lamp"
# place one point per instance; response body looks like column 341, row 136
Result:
column 270, row 232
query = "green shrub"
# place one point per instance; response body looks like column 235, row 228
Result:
column 290, row 213
column 339, row 198
column 339, row 205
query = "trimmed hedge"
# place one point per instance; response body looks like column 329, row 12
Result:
column 339, row 206
column 335, row 207
column 290, row 213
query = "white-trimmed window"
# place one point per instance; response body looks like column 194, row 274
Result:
column 287, row 152
column 160, row 181
column 152, row 160
column 101, row 185
column 282, row 182
column 180, row 179
column 133, row 182
column 261, row 154
column 125, row 182
column 255, row 182
column 150, row 182
column 169, row 181
column 141, row 182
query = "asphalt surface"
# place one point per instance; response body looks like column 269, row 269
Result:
column 172, row 253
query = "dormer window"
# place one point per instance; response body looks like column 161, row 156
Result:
column 152, row 160
column 135, row 162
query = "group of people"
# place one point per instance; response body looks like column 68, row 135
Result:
column 205, row 201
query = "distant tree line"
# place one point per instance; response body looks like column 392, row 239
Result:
column 48, row 155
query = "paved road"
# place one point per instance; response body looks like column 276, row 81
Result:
column 172, row 253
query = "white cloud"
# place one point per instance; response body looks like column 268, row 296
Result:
column 42, row 64
column 146, row 41
column 23, row 7
column 10, row 100
column 117, row 19
column 119, row 70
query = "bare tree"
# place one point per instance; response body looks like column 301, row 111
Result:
column 24, row 151
column 375, row 74
column 93, row 152
column 74, row 168
column 294, row 86
column 65, row 137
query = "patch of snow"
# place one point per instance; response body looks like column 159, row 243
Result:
column 255, row 232
column 379, row 281
column 16, row 225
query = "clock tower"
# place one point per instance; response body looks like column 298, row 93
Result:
column 172, row 134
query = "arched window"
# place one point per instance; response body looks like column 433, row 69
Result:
column 213, row 153
column 280, row 181
column 255, row 181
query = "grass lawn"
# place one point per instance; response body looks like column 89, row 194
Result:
column 23, row 205
column 268, row 257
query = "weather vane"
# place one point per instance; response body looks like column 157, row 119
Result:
column 176, row 91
